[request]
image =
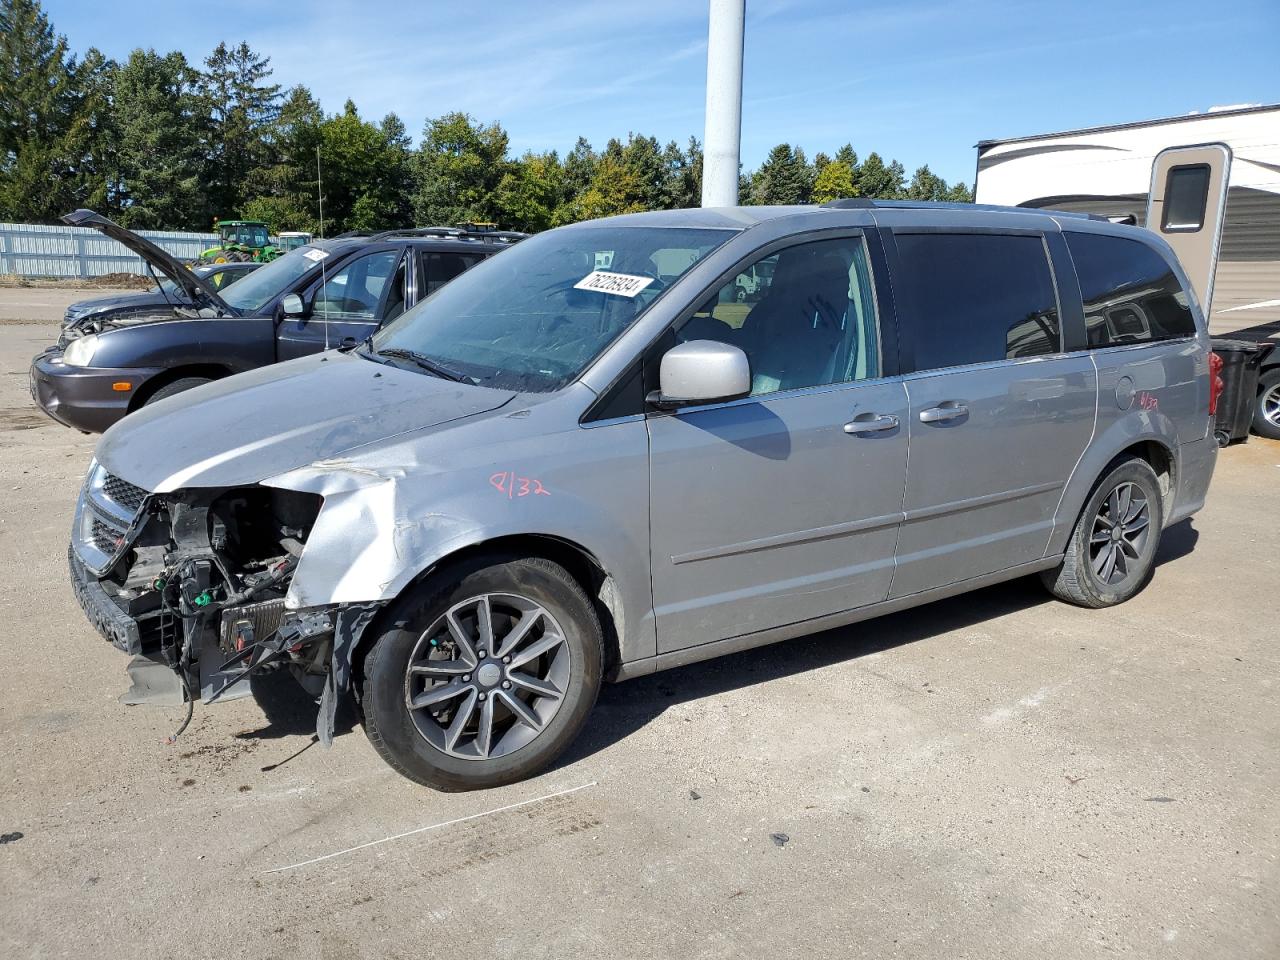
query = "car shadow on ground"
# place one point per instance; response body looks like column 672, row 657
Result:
column 625, row 708
column 290, row 711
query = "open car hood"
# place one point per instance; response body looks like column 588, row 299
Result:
column 200, row 293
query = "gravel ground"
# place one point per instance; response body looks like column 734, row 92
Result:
column 997, row 775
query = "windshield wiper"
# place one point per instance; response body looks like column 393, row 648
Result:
column 425, row 362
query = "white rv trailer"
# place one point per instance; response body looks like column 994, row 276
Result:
column 1113, row 172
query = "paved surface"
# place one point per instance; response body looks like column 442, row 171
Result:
column 997, row 775
column 44, row 304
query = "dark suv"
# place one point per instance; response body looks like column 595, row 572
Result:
column 321, row 295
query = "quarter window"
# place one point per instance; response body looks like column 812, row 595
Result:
column 804, row 316
column 978, row 298
column 1130, row 292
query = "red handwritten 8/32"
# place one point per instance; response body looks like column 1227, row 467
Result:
column 515, row 486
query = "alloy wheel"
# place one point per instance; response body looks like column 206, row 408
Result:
column 487, row 676
column 1121, row 532
column 1270, row 402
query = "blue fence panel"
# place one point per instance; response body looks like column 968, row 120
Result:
column 34, row 250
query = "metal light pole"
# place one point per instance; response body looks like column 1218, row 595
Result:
column 723, row 138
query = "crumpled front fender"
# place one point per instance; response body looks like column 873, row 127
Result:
column 391, row 515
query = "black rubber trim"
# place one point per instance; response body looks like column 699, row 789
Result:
column 115, row 626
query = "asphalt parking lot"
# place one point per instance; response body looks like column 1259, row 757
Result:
column 998, row 775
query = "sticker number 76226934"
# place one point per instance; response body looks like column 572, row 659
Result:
column 513, row 486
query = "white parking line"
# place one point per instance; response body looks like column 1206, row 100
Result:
column 434, row 826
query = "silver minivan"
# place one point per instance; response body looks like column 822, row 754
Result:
column 591, row 459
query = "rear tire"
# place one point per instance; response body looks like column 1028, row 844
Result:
column 1266, row 408
column 468, row 677
column 1111, row 554
column 178, row 386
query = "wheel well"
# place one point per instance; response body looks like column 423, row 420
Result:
column 581, row 564
column 1160, row 459
column 212, row 371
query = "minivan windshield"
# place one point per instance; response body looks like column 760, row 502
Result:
column 533, row 317
column 250, row 294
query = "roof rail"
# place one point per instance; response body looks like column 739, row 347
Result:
column 864, row 203
column 451, row 233
column 849, row 203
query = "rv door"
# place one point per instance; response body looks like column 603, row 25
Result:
column 1187, row 203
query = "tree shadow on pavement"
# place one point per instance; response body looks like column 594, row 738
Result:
column 624, row 708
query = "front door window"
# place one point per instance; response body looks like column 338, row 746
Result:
column 804, row 316
column 356, row 291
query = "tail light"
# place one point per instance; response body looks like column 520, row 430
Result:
column 1216, row 383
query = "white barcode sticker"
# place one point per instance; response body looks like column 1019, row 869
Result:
column 620, row 284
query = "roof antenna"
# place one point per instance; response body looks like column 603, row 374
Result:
column 323, row 279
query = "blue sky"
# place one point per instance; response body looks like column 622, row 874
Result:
column 918, row 80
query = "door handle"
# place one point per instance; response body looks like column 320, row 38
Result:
column 871, row 423
column 947, row 410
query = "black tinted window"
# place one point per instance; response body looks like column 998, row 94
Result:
column 443, row 267
column 978, row 298
column 1130, row 292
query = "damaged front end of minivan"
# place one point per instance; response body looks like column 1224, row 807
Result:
column 197, row 580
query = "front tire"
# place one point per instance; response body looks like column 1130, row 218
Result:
column 483, row 674
column 178, row 386
column 1266, row 409
column 1112, row 551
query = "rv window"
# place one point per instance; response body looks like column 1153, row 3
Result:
column 978, row 298
column 1186, row 193
column 1130, row 293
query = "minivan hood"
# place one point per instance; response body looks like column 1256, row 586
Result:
column 201, row 293
column 242, row 429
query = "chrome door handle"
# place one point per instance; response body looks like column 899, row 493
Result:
column 871, row 423
column 948, row 410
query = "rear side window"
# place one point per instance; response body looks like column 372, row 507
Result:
column 1130, row 293
column 978, row 298
column 443, row 267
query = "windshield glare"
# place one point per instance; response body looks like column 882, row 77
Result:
column 520, row 320
column 251, row 293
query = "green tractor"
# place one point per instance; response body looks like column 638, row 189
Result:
column 241, row 241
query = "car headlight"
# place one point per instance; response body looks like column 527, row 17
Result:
column 79, row 352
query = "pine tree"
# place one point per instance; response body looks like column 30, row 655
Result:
column 240, row 109
column 874, row 179
column 285, row 195
column 54, row 149
column 782, row 178
column 925, row 185
column 160, row 160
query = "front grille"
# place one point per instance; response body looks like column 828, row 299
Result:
column 109, row 510
column 105, row 536
column 124, row 493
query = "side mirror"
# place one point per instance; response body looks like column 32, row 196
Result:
column 292, row 306
column 701, row 371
